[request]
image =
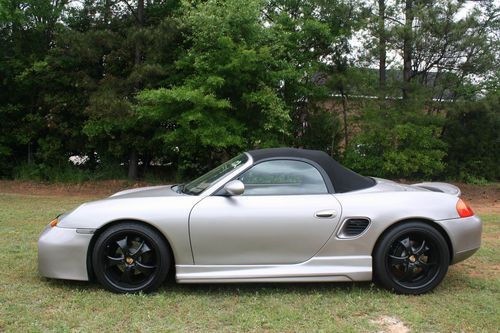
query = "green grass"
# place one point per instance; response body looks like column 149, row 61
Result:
column 468, row 299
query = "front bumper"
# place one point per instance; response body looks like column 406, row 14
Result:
column 62, row 253
column 465, row 236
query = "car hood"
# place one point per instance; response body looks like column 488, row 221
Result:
column 148, row 192
column 154, row 204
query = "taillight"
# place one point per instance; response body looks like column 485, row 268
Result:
column 464, row 209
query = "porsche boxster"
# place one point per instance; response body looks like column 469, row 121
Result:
column 269, row 215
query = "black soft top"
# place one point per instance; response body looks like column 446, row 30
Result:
column 343, row 179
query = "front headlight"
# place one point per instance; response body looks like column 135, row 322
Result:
column 55, row 221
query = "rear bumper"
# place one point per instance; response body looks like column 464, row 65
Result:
column 62, row 254
column 465, row 236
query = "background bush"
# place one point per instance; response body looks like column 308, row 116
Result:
column 396, row 142
column 472, row 134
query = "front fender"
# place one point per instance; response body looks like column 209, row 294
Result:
column 170, row 215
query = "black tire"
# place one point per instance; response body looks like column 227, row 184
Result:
column 130, row 257
column 411, row 258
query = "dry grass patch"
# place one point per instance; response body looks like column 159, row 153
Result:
column 390, row 324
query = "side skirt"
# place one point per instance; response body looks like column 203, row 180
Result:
column 317, row 269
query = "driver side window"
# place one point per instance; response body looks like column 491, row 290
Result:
column 283, row 177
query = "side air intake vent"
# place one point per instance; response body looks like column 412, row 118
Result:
column 353, row 227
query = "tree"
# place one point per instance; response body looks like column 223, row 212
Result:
column 397, row 141
column 228, row 98
column 382, row 47
column 433, row 43
column 26, row 35
column 472, row 133
column 315, row 36
column 142, row 48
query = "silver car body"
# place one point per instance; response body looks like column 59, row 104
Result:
column 260, row 238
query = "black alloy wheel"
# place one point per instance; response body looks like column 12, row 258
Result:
column 412, row 258
column 130, row 258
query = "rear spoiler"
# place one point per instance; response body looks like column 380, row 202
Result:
column 440, row 187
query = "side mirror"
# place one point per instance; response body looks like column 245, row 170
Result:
column 234, row 187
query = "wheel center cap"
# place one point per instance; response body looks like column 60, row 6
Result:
column 412, row 258
column 129, row 260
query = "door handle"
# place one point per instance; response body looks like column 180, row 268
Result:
column 324, row 214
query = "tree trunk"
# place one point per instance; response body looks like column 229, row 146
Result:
column 133, row 165
column 140, row 22
column 107, row 12
column 133, row 159
column 30, row 154
column 407, row 47
column 382, row 55
column 344, row 116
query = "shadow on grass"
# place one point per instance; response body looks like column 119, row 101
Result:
column 455, row 280
column 71, row 285
column 171, row 286
column 285, row 288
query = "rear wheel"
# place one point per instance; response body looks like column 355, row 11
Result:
column 130, row 257
column 412, row 258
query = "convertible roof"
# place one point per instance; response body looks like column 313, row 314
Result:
column 343, row 179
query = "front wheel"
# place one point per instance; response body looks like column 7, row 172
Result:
column 412, row 258
column 129, row 258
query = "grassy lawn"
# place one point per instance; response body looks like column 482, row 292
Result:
column 468, row 299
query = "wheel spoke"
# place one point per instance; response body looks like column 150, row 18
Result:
column 407, row 245
column 123, row 245
column 394, row 260
column 426, row 264
column 421, row 249
column 132, row 254
column 143, row 248
column 113, row 261
column 145, row 269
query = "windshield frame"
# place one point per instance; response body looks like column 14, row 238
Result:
column 215, row 184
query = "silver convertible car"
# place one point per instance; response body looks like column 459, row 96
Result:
column 270, row 215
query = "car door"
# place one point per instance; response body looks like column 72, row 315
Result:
column 285, row 215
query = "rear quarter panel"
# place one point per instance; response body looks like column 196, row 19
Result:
column 385, row 209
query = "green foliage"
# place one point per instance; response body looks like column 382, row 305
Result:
column 188, row 82
column 472, row 132
column 397, row 142
column 323, row 132
column 228, row 101
column 9, row 118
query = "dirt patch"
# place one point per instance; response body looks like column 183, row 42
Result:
column 390, row 324
column 483, row 199
column 86, row 189
column 480, row 270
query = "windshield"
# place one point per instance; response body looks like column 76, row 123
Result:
column 202, row 183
